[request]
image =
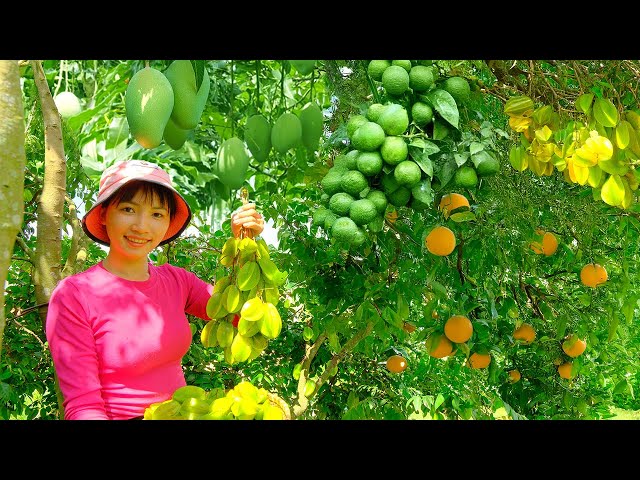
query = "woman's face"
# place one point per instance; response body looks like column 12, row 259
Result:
column 135, row 227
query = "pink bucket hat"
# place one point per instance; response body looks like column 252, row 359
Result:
column 118, row 175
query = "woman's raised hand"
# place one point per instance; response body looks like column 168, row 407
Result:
column 247, row 217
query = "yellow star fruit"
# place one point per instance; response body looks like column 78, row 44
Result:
column 594, row 149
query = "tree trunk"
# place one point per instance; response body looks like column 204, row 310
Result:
column 12, row 164
column 50, row 211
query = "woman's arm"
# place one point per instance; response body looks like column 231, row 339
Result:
column 74, row 355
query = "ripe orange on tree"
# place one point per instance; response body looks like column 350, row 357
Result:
column 593, row 274
column 525, row 333
column 514, row 375
column 441, row 241
column 574, row 346
column 458, row 328
column 546, row 243
column 452, row 201
column 396, row 364
column 565, row 370
column 479, row 360
column 438, row 345
column 549, row 244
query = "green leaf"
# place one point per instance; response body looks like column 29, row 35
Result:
column 613, row 325
column 621, row 386
column 422, row 192
column 623, row 133
column 198, row 70
column 439, row 401
column 422, row 159
column 605, row 112
column 118, row 132
column 583, row 102
column 463, row 216
column 427, row 146
column 402, row 307
column 475, row 147
column 445, row 105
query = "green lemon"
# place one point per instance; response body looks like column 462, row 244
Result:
column 394, row 120
column 458, row 87
column 331, row 182
column 344, row 230
column 407, row 173
column 354, row 181
column 379, row 199
column 421, row 113
column 421, row 78
column 368, row 137
column 394, row 149
column 374, row 111
column 395, row 80
column 376, row 68
column 406, row 64
column 353, row 123
column 369, row 163
column 363, row 211
column 340, row 203
column 466, row 177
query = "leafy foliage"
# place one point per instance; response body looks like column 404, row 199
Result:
column 356, row 302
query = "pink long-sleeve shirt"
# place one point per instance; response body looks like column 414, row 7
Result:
column 117, row 345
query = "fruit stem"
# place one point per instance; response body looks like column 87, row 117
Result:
column 244, row 196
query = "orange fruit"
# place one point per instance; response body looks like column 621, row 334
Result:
column 479, row 360
column 565, row 370
column 396, row 364
column 439, row 346
column 525, row 332
column 549, row 244
column 574, row 346
column 458, row 328
column 441, row 241
column 593, row 274
column 452, row 201
column 514, row 376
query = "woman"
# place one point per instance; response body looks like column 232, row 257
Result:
column 118, row 331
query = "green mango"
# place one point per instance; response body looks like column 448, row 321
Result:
column 174, row 136
column 303, row 67
column 232, row 163
column 311, row 120
column 189, row 103
column 286, row 132
column 257, row 136
column 148, row 103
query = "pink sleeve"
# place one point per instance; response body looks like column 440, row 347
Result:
column 73, row 350
column 199, row 295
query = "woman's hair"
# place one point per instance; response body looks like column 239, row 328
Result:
column 149, row 191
